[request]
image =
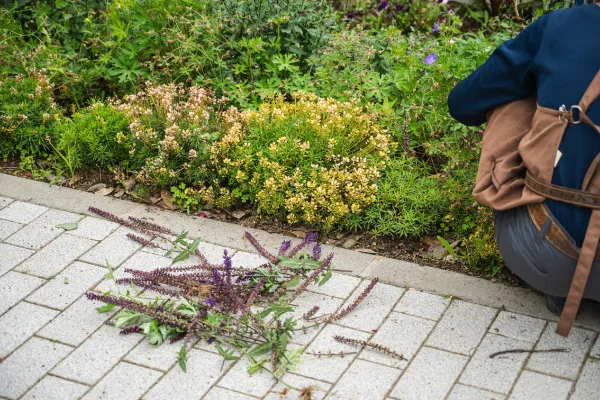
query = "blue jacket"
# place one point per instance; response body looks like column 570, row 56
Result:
column 555, row 58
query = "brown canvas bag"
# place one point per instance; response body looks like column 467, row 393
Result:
column 501, row 173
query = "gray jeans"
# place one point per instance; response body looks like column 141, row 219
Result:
column 529, row 255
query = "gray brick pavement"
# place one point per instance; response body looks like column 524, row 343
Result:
column 50, row 330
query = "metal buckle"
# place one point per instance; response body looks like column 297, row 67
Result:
column 579, row 114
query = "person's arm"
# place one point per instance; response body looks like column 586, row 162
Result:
column 506, row 76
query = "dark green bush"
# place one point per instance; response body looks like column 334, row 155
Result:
column 409, row 201
column 90, row 139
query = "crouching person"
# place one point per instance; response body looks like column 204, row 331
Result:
column 540, row 161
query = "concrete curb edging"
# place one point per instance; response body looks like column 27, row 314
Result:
column 391, row 271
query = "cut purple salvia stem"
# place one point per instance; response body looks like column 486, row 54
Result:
column 313, row 276
column 316, row 252
column 142, row 241
column 263, row 252
column 354, row 304
column 151, row 226
column 129, row 330
column 285, row 245
column 310, row 238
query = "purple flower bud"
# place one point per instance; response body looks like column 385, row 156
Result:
column 285, row 245
column 383, row 5
column 399, row 7
column 435, row 27
column 316, row 251
column 431, row 59
column 210, row 301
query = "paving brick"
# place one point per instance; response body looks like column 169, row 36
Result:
column 325, row 368
column 94, row 228
column 125, row 382
column 516, row 326
column 461, row 328
column 115, row 249
column 11, row 256
column 430, row 376
column 238, row 378
column 56, row 256
column 68, row 286
column 462, row 392
column 36, row 357
column 141, row 261
column 365, row 380
column 421, row 304
column 339, row 285
column 96, row 356
column 20, row 323
column 564, row 365
column 7, row 228
column 14, row 287
column 77, row 322
column 353, row 261
column 246, row 260
column 21, row 212
column 303, row 304
column 371, row 312
column 203, row 370
column 588, row 384
column 403, row 334
column 318, row 389
column 218, row 393
column 43, row 230
column 496, row 374
column 4, row 201
column 161, row 357
column 54, row 388
column 532, row 385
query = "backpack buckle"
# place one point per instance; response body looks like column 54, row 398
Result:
column 579, row 111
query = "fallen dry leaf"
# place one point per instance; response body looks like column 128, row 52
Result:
column 104, row 192
column 119, row 193
column 74, row 179
column 97, row 186
column 167, row 199
column 367, row 251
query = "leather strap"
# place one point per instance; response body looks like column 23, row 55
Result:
column 562, row 194
column 555, row 234
column 580, row 278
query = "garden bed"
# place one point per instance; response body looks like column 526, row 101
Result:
column 286, row 116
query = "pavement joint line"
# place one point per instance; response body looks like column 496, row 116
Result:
column 372, row 334
column 474, row 350
column 512, row 388
column 423, row 344
column 47, row 373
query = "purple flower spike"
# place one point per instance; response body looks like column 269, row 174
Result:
column 435, row 27
column 431, row 59
column 383, row 5
column 210, row 301
column 285, row 245
column 399, row 7
column 316, row 251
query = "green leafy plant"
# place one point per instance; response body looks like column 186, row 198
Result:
column 229, row 306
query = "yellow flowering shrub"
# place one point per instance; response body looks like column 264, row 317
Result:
column 311, row 160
